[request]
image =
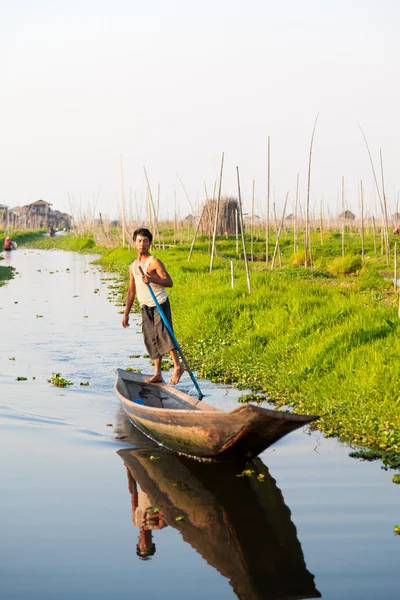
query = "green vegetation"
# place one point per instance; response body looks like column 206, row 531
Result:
column 314, row 341
column 6, row 273
column 59, row 381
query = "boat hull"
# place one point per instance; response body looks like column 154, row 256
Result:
column 201, row 430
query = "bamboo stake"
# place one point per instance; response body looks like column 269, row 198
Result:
column 295, row 228
column 374, row 174
column 362, row 221
column 151, row 203
column 195, row 233
column 374, row 226
column 216, row 215
column 232, row 275
column 210, row 220
column 279, row 232
column 321, row 225
column 246, row 264
column 276, row 232
column 122, row 202
column 252, row 225
column 237, row 231
column 307, row 231
column 343, row 217
column 186, row 194
column 395, row 267
column 175, row 223
column 387, row 245
column 267, row 207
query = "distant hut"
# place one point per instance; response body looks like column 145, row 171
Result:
column 347, row 215
column 395, row 218
column 3, row 212
column 227, row 215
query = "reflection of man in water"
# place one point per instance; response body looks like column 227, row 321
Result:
column 146, row 517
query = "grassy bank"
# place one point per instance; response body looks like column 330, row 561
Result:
column 324, row 345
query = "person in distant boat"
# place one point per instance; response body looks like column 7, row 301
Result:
column 396, row 230
column 8, row 244
column 156, row 337
column 51, row 231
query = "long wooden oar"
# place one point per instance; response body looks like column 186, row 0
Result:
column 171, row 333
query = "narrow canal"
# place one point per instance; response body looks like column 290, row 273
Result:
column 90, row 509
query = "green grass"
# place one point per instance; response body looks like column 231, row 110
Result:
column 318, row 342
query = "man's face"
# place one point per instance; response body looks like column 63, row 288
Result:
column 142, row 244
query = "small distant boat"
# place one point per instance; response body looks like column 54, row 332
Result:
column 14, row 246
column 187, row 425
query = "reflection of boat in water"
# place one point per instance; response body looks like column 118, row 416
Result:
column 186, row 425
column 239, row 525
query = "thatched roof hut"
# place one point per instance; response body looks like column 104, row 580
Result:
column 227, row 215
column 347, row 215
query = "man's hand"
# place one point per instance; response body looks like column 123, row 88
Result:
column 125, row 321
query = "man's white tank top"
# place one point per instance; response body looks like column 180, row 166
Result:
column 142, row 290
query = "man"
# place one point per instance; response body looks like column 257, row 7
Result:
column 156, row 337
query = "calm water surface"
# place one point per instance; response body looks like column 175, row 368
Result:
column 86, row 513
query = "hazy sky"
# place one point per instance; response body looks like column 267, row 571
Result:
column 171, row 84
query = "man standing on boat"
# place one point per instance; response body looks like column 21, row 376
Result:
column 156, row 337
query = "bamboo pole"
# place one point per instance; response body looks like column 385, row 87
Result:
column 362, row 221
column 186, row 194
column 175, row 223
column 246, row 264
column 387, row 245
column 267, row 207
column 276, row 232
column 374, row 227
column 321, row 225
column 195, row 233
column 295, row 226
column 252, row 224
column 395, row 267
column 343, row 217
column 216, row 215
column 237, row 231
column 307, row 230
column 122, row 202
column 279, row 232
column 152, row 207
column 374, row 174
column 232, row 275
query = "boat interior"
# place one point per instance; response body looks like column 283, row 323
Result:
column 134, row 388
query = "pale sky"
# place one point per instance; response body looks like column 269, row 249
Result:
column 171, row 84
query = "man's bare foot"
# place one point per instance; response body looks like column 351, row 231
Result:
column 176, row 375
column 154, row 379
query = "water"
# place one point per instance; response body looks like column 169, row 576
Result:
column 75, row 495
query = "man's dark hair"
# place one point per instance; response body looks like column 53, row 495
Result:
column 144, row 232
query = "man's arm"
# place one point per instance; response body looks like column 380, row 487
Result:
column 130, row 296
column 158, row 274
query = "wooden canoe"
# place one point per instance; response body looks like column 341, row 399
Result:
column 241, row 526
column 186, row 425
